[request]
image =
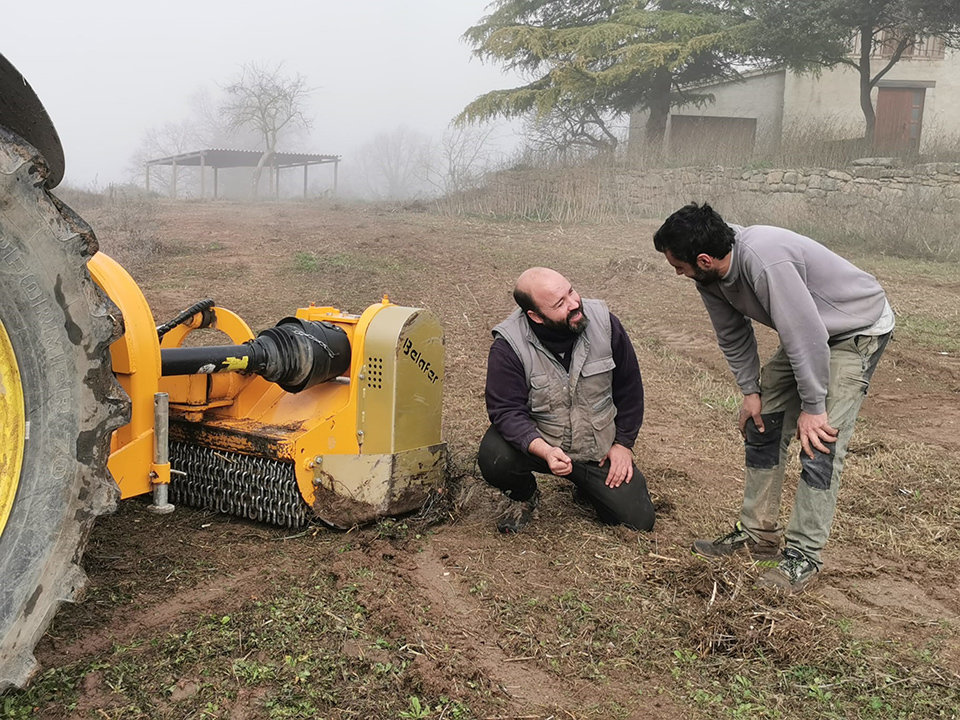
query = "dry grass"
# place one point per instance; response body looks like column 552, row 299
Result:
column 912, row 232
column 618, row 191
column 615, row 610
column 905, row 499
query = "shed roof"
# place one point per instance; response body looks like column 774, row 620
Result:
column 224, row 158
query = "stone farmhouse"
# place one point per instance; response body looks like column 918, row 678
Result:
column 917, row 104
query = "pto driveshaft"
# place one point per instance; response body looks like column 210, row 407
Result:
column 295, row 354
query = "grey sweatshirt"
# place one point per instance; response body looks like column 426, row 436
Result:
column 807, row 293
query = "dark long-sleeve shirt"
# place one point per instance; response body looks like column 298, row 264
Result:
column 507, row 394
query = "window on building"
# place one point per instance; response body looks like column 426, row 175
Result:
column 926, row 47
column 929, row 47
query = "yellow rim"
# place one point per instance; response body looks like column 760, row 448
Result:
column 13, row 426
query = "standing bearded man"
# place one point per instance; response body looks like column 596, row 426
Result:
column 834, row 322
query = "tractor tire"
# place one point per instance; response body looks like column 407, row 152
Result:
column 59, row 403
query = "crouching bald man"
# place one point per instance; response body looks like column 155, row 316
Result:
column 565, row 397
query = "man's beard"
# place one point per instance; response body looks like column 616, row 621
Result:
column 577, row 328
column 706, row 277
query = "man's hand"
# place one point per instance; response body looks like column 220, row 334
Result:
column 750, row 409
column 813, row 431
column 557, row 460
column 621, row 465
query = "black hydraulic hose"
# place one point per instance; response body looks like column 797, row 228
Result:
column 182, row 317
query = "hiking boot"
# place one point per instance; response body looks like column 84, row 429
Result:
column 734, row 541
column 517, row 514
column 792, row 574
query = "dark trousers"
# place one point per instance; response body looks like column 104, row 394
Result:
column 511, row 471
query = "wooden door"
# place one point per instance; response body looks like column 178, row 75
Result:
column 899, row 119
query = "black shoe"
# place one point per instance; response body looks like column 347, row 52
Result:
column 792, row 574
column 517, row 514
column 734, row 541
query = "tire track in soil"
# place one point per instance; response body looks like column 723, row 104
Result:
column 528, row 687
column 153, row 617
column 457, row 645
column 520, row 680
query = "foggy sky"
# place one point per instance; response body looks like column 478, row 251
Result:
column 107, row 71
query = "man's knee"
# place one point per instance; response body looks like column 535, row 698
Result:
column 640, row 516
column 495, row 453
column 629, row 504
column 503, row 466
column 762, row 449
column 817, row 472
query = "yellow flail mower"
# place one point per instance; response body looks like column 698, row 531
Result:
column 326, row 416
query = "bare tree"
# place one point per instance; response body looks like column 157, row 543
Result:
column 171, row 138
column 570, row 131
column 393, row 163
column 213, row 127
column 462, row 158
column 269, row 103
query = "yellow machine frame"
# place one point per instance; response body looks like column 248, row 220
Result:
column 346, row 438
column 136, row 363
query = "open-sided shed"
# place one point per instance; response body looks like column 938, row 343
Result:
column 218, row 158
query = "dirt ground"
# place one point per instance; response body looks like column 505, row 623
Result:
column 570, row 619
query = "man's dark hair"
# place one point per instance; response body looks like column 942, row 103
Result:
column 525, row 301
column 692, row 230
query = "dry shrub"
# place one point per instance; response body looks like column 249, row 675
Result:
column 822, row 142
column 81, row 200
column 573, row 194
column 611, row 191
column 125, row 219
column 718, row 610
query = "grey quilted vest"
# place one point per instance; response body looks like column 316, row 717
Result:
column 574, row 410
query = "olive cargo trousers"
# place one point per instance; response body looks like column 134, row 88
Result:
column 852, row 363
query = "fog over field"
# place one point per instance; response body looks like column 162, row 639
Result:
column 109, row 72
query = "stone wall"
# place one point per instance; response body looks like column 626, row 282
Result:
column 872, row 186
column 869, row 184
